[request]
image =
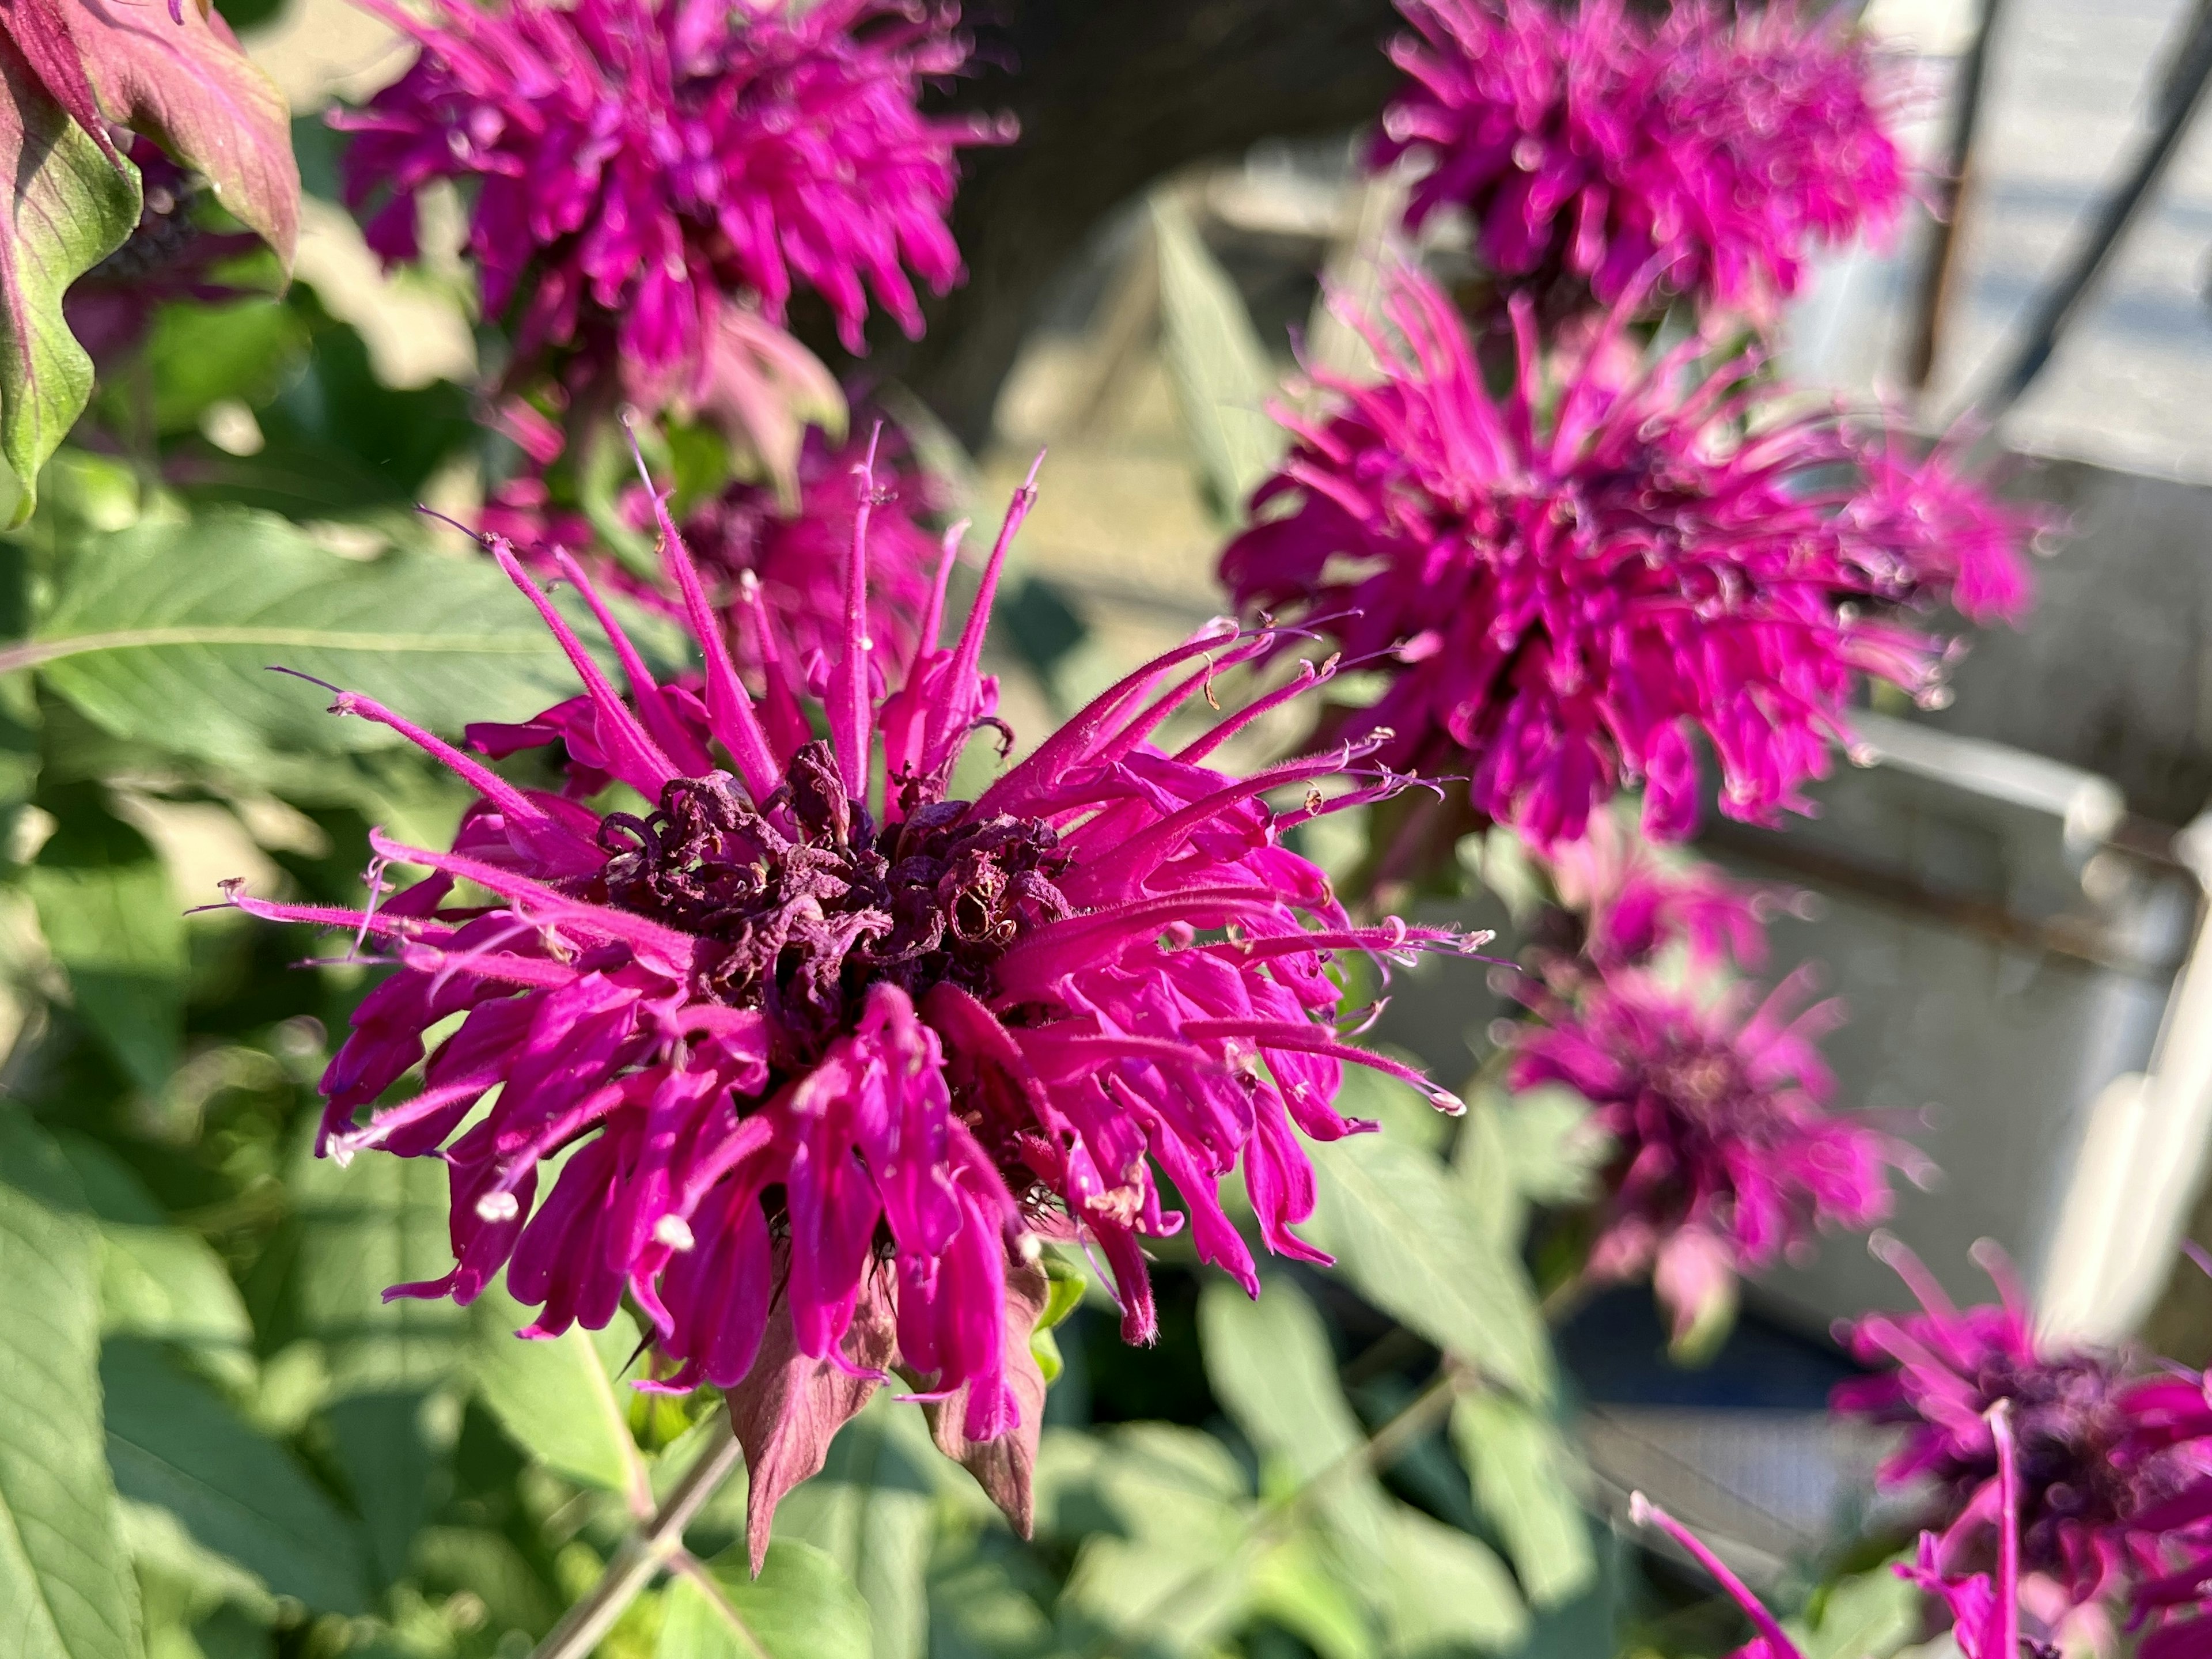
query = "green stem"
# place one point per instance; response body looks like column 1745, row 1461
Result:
column 655, row 1545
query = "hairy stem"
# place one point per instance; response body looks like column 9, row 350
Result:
column 656, row 1543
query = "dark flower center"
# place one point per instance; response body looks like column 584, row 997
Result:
column 1705, row 1084
column 2068, row 1423
column 807, row 904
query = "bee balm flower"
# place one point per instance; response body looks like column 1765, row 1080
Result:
column 827, row 1050
column 1725, row 1157
column 1565, row 592
column 2102, row 1452
column 1589, row 146
column 634, row 162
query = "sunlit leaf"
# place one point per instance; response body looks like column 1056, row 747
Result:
column 70, row 208
column 1221, row 372
column 801, row 1606
column 65, row 1588
column 1444, row 1588
column 1401, row 1229
column 108, row 915
column 175, row 1444
column 379, row 1221
column 165, row 633
column 869, row 1510
column 1870, row 1615
column 1522, row 1472
column 559, row 1396
column 1271, row 1368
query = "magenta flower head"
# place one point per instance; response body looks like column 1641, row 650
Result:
column 1984, row 1608
column 828, row 1051
column 633, row 163
column 1635, row 902
column 1588, row 146
column 1567, row 590
column 2102, row 1453
column 776, row 574
column 1725, row 1157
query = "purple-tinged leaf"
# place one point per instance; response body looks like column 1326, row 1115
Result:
column 1003, row 1468
column 71, row 207
column 188, row 85
column 789, row 1406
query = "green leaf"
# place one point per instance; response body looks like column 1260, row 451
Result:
column 869, row 1510
column 1870, row 1615
column 1403, row 1232
column 165, row 633
column 70, row 208
column 558, row 1396
column 379, row 1221
column 492, row 1569
column 337, row 443
column 109, row 917
column 1524, row 1475
column 175, row 1444
column 1162, row 1569
column 155, row 1280
column 1443, row 1589
column 801, row 1606
column 1222, row 374
column 383, row 1448
column 1302, row 1589
column 65, row 1588
column 977, row 1610
column 1273, row 1370
column 195, row 355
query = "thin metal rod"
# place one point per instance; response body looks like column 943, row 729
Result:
column 1942, row 263
column 2061, row 303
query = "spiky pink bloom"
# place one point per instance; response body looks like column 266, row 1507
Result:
column 825, row 1055
column 1567, row 590
column 775, row 573
column 635, row 163
column 1725, row 1156
column 1635, row 902
column 2103, row 1454
column 1591, row 145
column 1984, row 1609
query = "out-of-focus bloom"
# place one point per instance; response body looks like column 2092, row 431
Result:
column 1984, row 1609
column 826, row 1056
column 1590, row 144
column 168, row 257
column 2103, row 1455
column 1635, row 902
column 1725, row 1156
column 1567, row 589
column 777, row 576
column 635, row 163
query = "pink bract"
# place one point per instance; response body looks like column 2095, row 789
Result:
column 828, row 1058
column 1589, row 144
column 1567, row 586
